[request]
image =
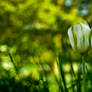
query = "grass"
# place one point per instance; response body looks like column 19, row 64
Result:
column 48, row 83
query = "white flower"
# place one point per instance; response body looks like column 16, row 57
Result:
column 79, row 36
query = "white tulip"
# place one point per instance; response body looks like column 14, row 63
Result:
column 79, row 36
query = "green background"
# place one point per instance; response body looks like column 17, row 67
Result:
column 34, row 31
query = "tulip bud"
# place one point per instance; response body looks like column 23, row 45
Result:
column 79, row 36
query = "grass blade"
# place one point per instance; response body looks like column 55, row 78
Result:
column 59, row 61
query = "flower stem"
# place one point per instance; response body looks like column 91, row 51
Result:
column 84, row 74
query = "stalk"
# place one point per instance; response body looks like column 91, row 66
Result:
column 84, row 75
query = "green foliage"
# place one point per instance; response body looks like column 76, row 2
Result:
column 32, row 31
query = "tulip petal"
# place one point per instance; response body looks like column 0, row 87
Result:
column 78, row 32
column 71, row 37
column 86, row 32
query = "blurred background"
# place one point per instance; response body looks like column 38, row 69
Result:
column 32, row 32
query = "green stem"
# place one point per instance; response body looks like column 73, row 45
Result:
column 84, row 74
